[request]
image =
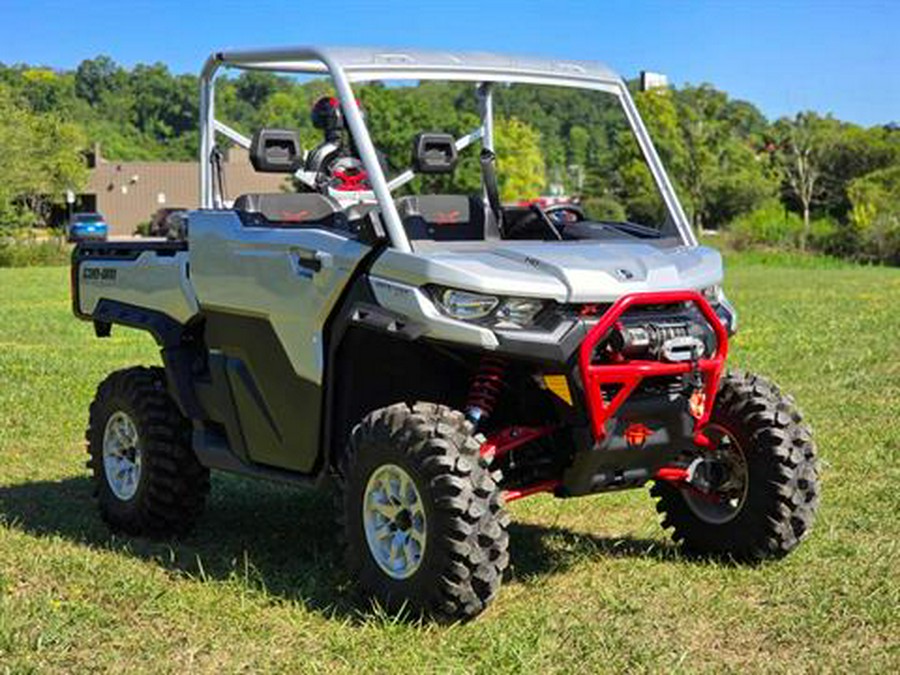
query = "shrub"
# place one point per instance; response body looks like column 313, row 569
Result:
column 829, row 236
column 603, row 208
column 875, row 215
column 769, row 225
column 31, row 252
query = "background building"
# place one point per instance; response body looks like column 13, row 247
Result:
column 129, row 193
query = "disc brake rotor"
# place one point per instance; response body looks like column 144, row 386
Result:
column 718, row 494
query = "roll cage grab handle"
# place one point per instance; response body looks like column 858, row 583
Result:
column 629, row 374
column 322, row 61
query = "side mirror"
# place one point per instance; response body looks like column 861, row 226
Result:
column 276, row 151
column 434, row 153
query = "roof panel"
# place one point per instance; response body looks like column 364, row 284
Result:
column 359, row 62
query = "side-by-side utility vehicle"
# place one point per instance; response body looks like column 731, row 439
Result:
column 397, row 322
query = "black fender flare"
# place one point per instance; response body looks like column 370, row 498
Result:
column 176, row 344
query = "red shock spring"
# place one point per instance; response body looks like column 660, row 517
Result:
column 486, row 388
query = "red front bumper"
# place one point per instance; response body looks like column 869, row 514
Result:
column 629, row 374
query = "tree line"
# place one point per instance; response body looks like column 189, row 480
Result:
column 809, row 181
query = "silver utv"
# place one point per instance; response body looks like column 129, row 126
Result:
column 438, row 355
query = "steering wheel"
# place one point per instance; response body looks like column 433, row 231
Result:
column 563, row 214
column 547, row 222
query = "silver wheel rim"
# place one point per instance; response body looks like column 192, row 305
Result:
column 733, row 496
column 121, row 455
column 394, row 520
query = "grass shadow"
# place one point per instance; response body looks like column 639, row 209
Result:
column 281, row 539
column 540, row 550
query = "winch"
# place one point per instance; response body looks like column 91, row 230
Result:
column 671, row 339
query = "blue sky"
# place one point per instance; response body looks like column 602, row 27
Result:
column 839, row 57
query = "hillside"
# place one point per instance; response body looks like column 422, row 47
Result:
column 806, row 181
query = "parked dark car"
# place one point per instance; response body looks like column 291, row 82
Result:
column 87, row 226
column 167, row 222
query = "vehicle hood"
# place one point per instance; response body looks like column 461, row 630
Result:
column 576, row 271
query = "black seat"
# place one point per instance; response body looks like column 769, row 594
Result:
column 291, row 210
column 443, row 217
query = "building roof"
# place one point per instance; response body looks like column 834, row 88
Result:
column 362, row 63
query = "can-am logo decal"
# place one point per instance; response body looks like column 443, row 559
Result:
column 624, row 275
column 99, row 274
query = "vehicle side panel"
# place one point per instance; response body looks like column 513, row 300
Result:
column 137, row 274
column 262, row 272
column 266, row 294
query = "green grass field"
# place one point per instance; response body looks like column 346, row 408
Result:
column 595, row 584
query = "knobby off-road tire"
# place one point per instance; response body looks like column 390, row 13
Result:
column 169, row 489
column 465, row 551
column 782, row 489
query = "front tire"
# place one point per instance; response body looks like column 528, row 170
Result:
column 424, row 519
column 774, row 478
column 147, row 479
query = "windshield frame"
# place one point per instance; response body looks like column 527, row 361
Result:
column 354, row 66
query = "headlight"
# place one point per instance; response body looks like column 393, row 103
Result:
column 466, row 306
column 518, row 312
column 488, row 310
column 715, row 296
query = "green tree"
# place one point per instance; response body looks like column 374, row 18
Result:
column 744, row 182
column 638, row 191
column 804, row 144
column 520, row 163
column 721, row 174
column 56, row 163
column 99, row 78
column 746, row 121
column 42, row 159
column 256, row 87
column 853, row 152
column 708, row 145
column 875, row 213
column 660, row 112
column 46, row 90
column 579, row 145
column 14, row 171
column 164, row 106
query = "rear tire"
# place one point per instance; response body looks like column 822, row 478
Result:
column 147, row 479
column 782, row 488
column 454, row 535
